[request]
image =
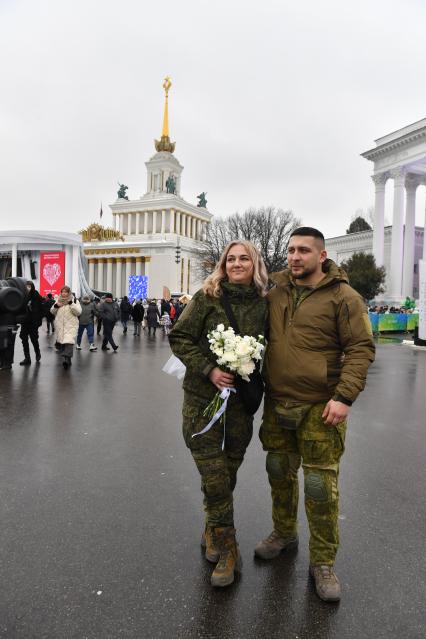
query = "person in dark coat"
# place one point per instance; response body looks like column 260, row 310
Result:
column 138, row 313
column 125, row 312
column 31, row 324
column 165, row 307
column 109, row 312
column 152, row 316
column 47, row 305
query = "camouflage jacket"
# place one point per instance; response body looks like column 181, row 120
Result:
column 188, row 337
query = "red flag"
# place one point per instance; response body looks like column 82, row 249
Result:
column 101, row 212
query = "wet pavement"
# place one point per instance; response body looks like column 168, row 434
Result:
column 101, row 510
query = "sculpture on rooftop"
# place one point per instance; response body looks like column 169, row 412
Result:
column 202, row 202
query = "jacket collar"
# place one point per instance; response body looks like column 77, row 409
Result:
column 333, row 275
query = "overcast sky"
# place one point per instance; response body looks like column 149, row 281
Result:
column 272, row 102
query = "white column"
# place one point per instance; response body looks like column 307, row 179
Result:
column 129, row 224
column 379, row 218
column 92, row 273
column 14, row 260
column 172, row 220
column 154, row 221
column 424, row 228
column 139, row 261
column 129, row 261
column 114, row 222
column 75, row 280
column 411, row 185
column 183, row 224
column 121, row 223
column 147, row 261
column 138, row 221
column 119, row 261
column 109, row 274
column 145, row 222
column 163, row 222
column 100, row 286
column 178, row 223
column 398, row 176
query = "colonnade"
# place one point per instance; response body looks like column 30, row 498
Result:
column 106, row 273
column 403, row 243
column 153, row 222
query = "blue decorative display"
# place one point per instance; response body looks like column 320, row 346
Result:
column 138, row 287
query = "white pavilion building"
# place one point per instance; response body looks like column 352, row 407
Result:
column 149, row 232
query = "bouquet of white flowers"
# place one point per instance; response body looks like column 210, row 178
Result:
column 237, row 354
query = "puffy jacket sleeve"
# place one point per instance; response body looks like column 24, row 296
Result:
column 76, row 308
column 185, row 336
column 356, row 338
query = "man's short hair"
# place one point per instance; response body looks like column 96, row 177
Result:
column 309, row 231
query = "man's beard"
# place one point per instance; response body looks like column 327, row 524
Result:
column 304, row 274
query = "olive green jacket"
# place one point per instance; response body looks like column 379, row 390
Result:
column 188, row 337
column 322, row 348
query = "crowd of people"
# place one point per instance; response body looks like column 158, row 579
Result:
column 391, row 309
column 69, row 318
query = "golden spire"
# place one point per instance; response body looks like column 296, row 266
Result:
column 164, row 144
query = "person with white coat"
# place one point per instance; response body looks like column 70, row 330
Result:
column 66, row 311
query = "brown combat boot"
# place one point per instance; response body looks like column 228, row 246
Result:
column 273, row 545
column 230, row 558
column 326, row 583
column 209, row 543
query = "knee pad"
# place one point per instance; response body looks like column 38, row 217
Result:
column 277, row 465
column 316, row 486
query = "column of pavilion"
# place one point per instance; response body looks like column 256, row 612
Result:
column 179, row 222
column 108, row 264
column 403, row 243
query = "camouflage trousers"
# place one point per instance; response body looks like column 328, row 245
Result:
column 218, row 468
column 318, row 448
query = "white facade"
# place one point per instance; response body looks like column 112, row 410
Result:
column 27, row 246
column 341, row 248
column 152, row 227
column 401, row 157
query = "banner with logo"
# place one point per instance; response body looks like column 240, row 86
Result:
column 52, row 272
column 422, row 299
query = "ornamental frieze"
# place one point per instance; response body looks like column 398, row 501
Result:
column 98, row 233
column 111, row 251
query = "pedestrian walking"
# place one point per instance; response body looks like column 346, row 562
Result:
column 152, row 316
column 241, row 277
column 137, row 315
column 319, row 351
column 47, row 305
column 31, row 323
column 86, row 323
column 166, row 323
column 110, row 314
column 125, row 312
column 66, row 311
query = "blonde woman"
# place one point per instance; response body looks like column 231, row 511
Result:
column 241, row 276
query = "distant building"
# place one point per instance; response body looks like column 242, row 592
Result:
column 157, row 235
column 399, row 156
column 343, row 247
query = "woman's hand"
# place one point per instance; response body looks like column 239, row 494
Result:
column 221, row 379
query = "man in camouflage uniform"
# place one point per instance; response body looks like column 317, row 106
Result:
column 319, row 351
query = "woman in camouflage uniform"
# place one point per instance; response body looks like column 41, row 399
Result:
column 240, row 275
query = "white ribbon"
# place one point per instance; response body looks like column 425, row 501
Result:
column 225, row 396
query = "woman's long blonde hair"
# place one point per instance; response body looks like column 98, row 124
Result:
column 211, row 284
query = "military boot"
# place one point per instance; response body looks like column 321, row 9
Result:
column 229, row 559
column 212, row 552
column 326, row 583
column 273, row 545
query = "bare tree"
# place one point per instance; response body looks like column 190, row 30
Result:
column 268, row 228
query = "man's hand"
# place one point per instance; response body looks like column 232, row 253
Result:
column 221, row 379
column 335, row 412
